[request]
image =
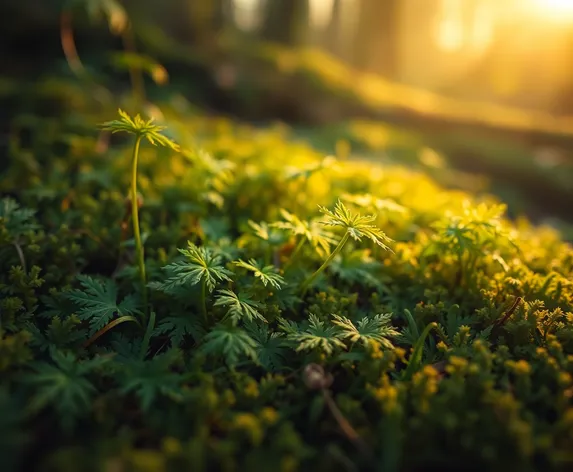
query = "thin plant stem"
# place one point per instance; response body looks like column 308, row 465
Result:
column 328, row 260
column 109, row 326
column 147, row 336
column 345, row 425
column 69, row 44
column 204, row 300
column 69, row 48
column 135, row 219
column 416, row 358
column 20, row 255
column 509, row 312
column 122, row 238
column 294, row 254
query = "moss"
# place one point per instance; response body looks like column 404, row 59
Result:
column 452, row 350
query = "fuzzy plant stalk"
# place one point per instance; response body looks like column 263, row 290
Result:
column 306, row 284
column 142, row 129
column 135, row 217
column 356, row 226
column 204, row 300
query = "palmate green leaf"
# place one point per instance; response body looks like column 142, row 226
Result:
column 201, row 265
column 315, row 337
column 177, row 327
column 208, row 165
column 312, row 231
column 123, row 347
column 368, row 200
column 358, row 267
column 270, row 346
column 473, row 232
column 355, row 225
column 268, row 275
column 453, row 233
column 287, row 298
column 239, row 306
column 64, row 386
column 170, row 287
column 267, row 232
column 54, row 306
column 293, row 173
column 149, row 380
column 293, row 224
column 142, row 128
column 320, row 238
column 230, row 343
column 369, row 330
column 181, row 274
column 14, row 219
column 61, row 333
column 97, row 302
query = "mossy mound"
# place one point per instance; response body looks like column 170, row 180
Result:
column 451, row 350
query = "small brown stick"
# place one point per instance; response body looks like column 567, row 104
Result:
column 440, row 366
column 509, row 312
column 20, row 255
column 109, row 326
column 316, row 378
column 69, row 44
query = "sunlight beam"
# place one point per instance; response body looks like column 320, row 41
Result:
column 321, row 12
column 557, row 10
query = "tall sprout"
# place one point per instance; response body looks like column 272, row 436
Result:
column 148, row 130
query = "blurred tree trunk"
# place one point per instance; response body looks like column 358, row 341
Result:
column 332, row 35
column 376, row 41
column 286, row 21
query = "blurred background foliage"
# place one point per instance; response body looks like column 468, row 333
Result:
column 477, row 93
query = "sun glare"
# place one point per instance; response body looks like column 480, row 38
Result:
column 556, row 9
column 559, row 5
column 321, row 12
